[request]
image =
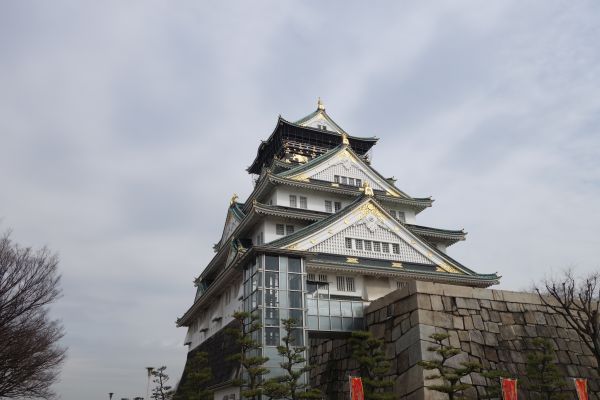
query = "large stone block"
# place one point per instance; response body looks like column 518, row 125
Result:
column 478, row 322
column 436, row 303
column 471, row 304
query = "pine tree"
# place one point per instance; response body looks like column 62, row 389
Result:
column 373, row 367
column 197, row 376
column 494, row 390
column 450, row 376
column 294, row 364
column 161, row 390
column 252, row 364
column 542, row 371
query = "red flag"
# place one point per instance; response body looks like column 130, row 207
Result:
column 581, row 387
column 509, row 389
column 356, row 388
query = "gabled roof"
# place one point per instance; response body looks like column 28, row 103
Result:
column 235, row 214
column 320, row 115
column 343, row 151
column 286, row 131
column 357, row 212
column 269, row 181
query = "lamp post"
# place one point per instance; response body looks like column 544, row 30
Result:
column 150, row 370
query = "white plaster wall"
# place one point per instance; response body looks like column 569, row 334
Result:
column 270, row 227
column 230, row 393
column 217, row 309
column 315, row 200
column 376, row 287
column 358, row 285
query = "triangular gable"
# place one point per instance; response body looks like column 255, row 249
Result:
column 343, row 161
column 367, row 220
column 231, row 222
column 320, row 120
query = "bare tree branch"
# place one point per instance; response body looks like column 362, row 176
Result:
column 578, row 301
column 30, row 357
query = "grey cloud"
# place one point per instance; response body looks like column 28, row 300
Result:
column 126, row 127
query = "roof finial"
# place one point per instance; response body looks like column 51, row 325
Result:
column 320, row 105
column 368, row 189
column 234, row 199
column 345, row 139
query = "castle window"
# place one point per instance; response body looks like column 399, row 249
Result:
column 396, row 248
column 345, row 283
column 344, row 180
column 358, row 182
column 358, row 243
column 279, row 229
column 351, row 181
column 336, row 178
column 328, row 207
column 398, row 215
column 385, row 247
column 348, row 243
column 289, row 229
column 293, row 201
column 368, row 245
column 337, row 206
column 376, row 246
column 303, row 202
column 322, row 278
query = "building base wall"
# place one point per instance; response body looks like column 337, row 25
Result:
column 492, row 327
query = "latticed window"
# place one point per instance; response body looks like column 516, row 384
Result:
column 279, row 229
column 337, row 206
column 289, row 229
column 310, row 277
column 344, row 180
column 322, row 278
column 385, row 247
column 351, row 181
column 328, row 206
column 401, row 216
column 368, row 245
column 348, row 243
column 376, row 246
column 345, row 283
column 358, row 243
column 293, row 201
column 358, row 182
column 396, row 248
column 303, row 202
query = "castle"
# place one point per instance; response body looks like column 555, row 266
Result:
column 322, row 235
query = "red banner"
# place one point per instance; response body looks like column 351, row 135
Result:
column 509, row 389
column 581, row 387
column 356, row 388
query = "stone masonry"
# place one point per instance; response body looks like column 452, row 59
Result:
column 492, row 327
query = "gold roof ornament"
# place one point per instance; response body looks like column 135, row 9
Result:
column 345, row 139
column 368, row 189
column 234, row 199
column 320, row 105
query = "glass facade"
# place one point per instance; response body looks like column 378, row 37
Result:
column 325, row 313
column 274, row 289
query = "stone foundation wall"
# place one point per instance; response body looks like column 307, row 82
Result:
column 492, row 327
column 333, row 362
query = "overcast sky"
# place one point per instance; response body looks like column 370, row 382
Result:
column 125, row 128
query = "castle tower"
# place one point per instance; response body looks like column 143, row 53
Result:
column 322, row 235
